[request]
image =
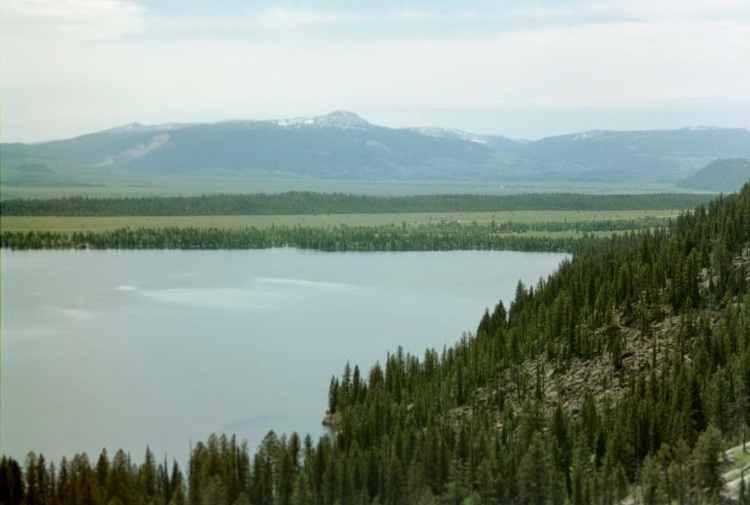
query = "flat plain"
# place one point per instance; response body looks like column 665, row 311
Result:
column 97, row 224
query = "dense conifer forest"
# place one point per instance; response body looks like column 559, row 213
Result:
column 301, row 203
column 629, row 368
column 430, row 237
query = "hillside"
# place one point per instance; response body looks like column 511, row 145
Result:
column 629, row 365
column 342, row 146
column 720, row 176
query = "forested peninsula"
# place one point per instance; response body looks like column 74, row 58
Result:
column 437, row 237
column 625, row 373
column 544, row 231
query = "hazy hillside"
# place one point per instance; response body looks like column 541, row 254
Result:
column 341, row 146
column 722, row 175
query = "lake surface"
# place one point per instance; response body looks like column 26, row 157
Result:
column 124, row 349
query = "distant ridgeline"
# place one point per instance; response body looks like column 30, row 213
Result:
column 630, row 365
column 344, row 147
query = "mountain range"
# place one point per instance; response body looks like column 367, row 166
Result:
column 343, row 146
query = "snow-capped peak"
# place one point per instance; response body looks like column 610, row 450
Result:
column 337, row 119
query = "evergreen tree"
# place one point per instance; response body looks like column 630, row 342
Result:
column 707, row 459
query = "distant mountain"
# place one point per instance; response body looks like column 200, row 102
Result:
column 722, row 175
column 648, row 156
column 495, row 142
column 343, row 146
column 340, row 145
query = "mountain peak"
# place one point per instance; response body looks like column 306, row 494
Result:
column 344, row 118
column 336, row 119
column 125, row 128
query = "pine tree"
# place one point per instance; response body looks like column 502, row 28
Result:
column 11, row 482
column 707, row 457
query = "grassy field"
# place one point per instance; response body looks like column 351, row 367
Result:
column 71, row 224
column 110, row 183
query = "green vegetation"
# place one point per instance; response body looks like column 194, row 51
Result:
column 437, row 237
column 517, row 222
column 325, row 221
column 524, row 230
column 304, row 203
column 118, row 185
column 629, row 368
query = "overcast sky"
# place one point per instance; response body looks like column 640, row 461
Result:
column 517, row 68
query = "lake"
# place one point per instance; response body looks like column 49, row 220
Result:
column 124, row 349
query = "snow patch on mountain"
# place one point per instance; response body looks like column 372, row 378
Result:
column 701, row 128
column 338, row 119
column 139, row 128
column 591, row 134
column 448, row 133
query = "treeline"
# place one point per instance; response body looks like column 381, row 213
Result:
column 424, row 237
column 306, row 203
column 289, row 471
column 596, row 226
column 432, row 237
column 219, row 471
column 79, row 481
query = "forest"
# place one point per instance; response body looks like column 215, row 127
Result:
column 626, row 370
column 301, row 203
column 428, row 237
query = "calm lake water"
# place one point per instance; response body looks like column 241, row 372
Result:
column 124, row 349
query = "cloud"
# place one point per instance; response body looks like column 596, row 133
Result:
column 75, row 20
column 677, row 11
column 413, row 14
column 584, row 11
column 291, row 17
column 261, row 20
column 76, row 66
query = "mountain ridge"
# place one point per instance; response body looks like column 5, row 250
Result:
column 344, row 146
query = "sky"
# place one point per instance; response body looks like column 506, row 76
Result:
column 519, row 68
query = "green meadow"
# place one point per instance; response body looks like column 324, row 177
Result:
column 566, row 219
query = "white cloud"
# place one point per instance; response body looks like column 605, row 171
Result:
column 410, row 13
column 75, row 20
column 73, row 66
column 261, row 21
column 290, row 17
column 621, row 63
column 675, row 11
column 585, row 11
